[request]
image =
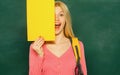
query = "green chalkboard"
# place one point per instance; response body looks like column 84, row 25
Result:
column 13, row 46
column 95, row 22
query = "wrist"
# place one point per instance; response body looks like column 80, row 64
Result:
column 40, row 53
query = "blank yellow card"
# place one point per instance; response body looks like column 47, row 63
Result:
column 40, row 19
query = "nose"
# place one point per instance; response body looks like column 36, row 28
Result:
column 56, row 18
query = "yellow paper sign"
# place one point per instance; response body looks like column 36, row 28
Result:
column 40, row 19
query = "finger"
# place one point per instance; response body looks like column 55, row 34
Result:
column 38, row 44
column 41, row 43
column 37, row 41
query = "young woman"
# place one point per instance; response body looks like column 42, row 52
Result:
column 57, row 57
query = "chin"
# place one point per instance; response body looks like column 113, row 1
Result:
column 57, row 33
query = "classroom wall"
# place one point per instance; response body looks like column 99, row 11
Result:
column 95, row 22
column 13, row 44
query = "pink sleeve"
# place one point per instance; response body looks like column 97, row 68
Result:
column 82, row 60
column 35, row 62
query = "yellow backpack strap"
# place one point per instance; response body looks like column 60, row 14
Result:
column 77, row 53
column 76, row 48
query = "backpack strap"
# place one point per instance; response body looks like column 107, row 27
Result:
column 77, row 53
column 76, row 48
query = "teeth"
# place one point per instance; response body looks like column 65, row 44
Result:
column 57, row 24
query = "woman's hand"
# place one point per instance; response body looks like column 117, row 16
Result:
column 37, row 46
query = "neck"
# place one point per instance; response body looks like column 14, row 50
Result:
column 60, row 38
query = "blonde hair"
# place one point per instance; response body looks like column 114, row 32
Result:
column 68, row 32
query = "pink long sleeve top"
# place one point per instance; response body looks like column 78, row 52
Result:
column 50, row 64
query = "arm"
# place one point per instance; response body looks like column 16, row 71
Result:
column 35, row 62
column 82, row 60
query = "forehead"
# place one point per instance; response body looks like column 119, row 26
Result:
column 58, row 9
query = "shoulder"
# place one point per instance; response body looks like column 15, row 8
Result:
column 31, row 50
column 81, row 46
column 30, row 47
column 81, row 43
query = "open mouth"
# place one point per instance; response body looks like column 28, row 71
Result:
column 57, row 25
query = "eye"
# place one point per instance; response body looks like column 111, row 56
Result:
column 61, row 14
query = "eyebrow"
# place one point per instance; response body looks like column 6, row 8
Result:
column 61, row 12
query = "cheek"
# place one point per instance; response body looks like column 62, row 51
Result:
column 63, row 21
column 63, row 24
